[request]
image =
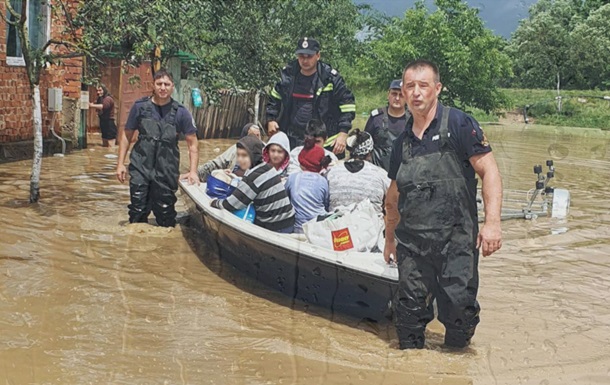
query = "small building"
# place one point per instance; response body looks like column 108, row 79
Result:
column 222, row 119
column 16, row 121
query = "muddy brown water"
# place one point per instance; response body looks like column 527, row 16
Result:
column 86, row 299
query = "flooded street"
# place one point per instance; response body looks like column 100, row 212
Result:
column 87, row 299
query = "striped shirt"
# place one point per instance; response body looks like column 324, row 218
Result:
column 263, row 187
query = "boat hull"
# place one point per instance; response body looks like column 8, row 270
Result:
column 298, row 275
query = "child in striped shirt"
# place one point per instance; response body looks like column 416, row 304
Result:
column 262, row 185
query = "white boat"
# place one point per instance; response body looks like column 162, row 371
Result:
column 349, row 282
column 354, row 283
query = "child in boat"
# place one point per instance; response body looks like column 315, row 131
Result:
column 248, row 154
column 277, row 153
column 262, row 186
column 315, row 129
column 308, row 190
column 356, row 179
column 227, row 160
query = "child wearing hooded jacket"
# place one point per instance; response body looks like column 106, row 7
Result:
column 228, row 159
column 262, row 185
column 277, row 153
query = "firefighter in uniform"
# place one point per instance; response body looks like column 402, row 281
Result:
column 386, row 124
column 310, row 89
column 432, row 211
column 155, row 159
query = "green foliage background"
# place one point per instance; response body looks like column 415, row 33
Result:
column 245, row 43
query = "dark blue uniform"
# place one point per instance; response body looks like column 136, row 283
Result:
column 436, row 255
column 155, row 159
column 384, row 129
column 465, row 136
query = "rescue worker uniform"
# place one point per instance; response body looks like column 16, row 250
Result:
column 296, row 98
column 436, row 253
column 385, row 129
column 155, row 159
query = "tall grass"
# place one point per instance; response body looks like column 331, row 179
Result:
column 367, row 100
column 578, row 108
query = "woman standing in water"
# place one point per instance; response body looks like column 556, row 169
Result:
column 105, row 110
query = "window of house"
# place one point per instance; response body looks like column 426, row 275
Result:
column 38, row 29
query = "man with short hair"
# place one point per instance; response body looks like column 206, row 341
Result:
column 155, row 159
column 385, row 124
column 431, row 210
column 317, row 130
column 310, row 89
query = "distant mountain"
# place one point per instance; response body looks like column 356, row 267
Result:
column 501, row 16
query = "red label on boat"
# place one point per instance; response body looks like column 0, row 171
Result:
column 342, row 240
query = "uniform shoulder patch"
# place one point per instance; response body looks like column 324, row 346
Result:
column 376, row 112
column 484, row 140
column 334, row 72
column 143, row 99
column 479, row 134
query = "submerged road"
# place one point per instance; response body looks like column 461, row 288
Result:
column 87, row 299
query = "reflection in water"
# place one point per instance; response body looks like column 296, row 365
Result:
column 85, row 298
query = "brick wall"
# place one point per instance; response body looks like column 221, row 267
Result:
column 16, row 122
column 110, row 76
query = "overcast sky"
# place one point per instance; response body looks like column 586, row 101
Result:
column 501, row 16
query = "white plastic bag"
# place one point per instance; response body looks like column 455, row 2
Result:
column 358, row 227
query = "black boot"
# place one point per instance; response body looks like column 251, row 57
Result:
column 457, row 339
column 409, row 339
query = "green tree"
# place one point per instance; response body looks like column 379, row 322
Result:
column 541, row 45
column 140, row 31
column 240, row 43
column 591, row 50
column 260, row 35
column 553, row 48
column 469, row 56
column 585, row 7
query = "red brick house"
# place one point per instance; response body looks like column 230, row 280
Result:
column 118, row 78
column 16, row 123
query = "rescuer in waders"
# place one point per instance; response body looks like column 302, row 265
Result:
column 431, row 209
column 155, row 158
column 385, row 124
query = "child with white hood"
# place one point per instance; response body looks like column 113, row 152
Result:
column 262, row 185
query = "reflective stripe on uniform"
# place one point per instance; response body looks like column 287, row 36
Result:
column 330, row 140
column 328, row 87
column 276, row 94
column 348, row 108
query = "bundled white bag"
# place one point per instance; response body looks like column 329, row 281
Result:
column 355, row 227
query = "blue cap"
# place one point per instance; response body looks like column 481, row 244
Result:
column 396, row 84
